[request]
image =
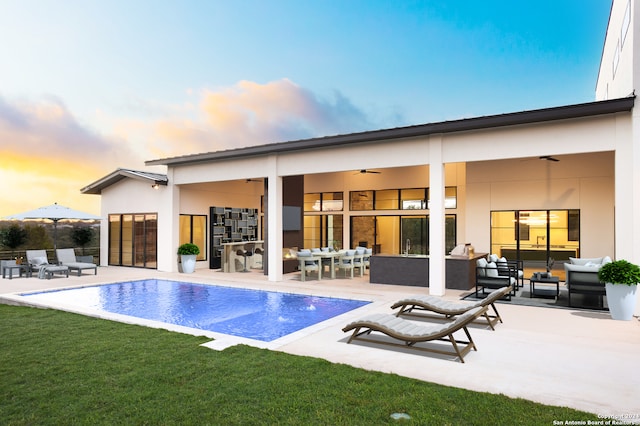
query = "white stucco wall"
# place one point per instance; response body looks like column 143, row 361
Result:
column 619, row 64
column 584, row 182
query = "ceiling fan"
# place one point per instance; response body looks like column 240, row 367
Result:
column 548, row 158
column 364, row 171
column 253, row 180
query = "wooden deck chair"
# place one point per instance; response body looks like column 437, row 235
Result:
column 449, row 308
column 410, row 333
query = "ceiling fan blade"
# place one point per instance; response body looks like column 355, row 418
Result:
column 548, row 158
column 363, row 171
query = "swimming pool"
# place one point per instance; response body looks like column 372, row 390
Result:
column 253, row 314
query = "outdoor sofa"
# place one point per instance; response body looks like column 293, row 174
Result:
column 582, row 277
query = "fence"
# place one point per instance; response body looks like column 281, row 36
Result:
column 51, row 253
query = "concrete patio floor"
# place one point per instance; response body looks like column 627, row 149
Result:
column 565, row 357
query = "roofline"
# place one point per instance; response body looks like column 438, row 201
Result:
column 589, row 109
column 119, row 174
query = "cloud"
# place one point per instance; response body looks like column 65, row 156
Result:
column 46, row 155
column 250, row 113
column 46, row 130
column 278, row 111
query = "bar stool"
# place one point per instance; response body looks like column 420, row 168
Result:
column 245, row 252
column 260, row 251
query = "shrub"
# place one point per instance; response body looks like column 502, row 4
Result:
column 619, row 272
column 188, row 248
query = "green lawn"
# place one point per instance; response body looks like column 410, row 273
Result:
column 62, row 368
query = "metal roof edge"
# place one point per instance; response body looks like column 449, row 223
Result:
column 465, row 124
column 119, row 174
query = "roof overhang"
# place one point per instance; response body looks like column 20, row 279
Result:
column 119, row 174
column 468, row 124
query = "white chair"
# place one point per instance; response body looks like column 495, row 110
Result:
column 358, row 259
column 505, row 265
column 367, row 258
column 307, row 263
column 346, row 261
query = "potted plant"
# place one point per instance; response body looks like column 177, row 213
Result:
column 621, row 281
column 188, row 253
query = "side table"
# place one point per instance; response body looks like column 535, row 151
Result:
column 21, row 268
column 546, row 289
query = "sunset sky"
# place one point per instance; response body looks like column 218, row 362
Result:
column 89, row 86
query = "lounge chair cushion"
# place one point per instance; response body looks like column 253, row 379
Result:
column 411, row 333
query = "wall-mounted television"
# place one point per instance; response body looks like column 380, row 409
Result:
column 291, row 218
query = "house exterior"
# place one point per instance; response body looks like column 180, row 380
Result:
column 490, row 181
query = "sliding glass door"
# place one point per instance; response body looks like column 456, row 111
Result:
column 133, row 240
column 536, row 236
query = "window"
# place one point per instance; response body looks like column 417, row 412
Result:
column 625, row 23
column 193, row 229
column 361, row 200
column 386, row 200
column 450, row 197
column 325, row 202
column 133, row 240
column 413, row 199
column 536, row 235
column 323, row 231
column 389, row 234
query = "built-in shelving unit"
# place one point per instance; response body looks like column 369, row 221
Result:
column 230, row 225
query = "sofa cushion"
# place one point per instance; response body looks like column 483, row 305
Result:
column 492, row 269
column 585, row 260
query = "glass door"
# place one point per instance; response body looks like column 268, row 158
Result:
column 537, row 237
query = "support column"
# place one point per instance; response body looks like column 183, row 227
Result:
column 627, row 198
column 437, row 266
column 274, row 221
column 169, row 226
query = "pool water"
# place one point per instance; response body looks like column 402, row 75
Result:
column 253, row 314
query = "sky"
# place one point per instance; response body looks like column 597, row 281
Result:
column 87, row 86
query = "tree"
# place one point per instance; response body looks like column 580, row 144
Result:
column 82, row 236
column 13, row 237
column 37, row 237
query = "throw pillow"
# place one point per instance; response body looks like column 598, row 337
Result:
column 492, row 269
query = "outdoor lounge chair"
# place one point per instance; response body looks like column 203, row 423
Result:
column 410, row 333
column 450, row 308
column 38, row 261
column 67, row 257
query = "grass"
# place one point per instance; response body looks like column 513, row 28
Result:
column 61, row 368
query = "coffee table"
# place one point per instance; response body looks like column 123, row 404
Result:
column 546, row 289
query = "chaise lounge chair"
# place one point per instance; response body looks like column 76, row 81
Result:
column 67, row 257
column 410, row 333
column 38, row 261
column 449, row 308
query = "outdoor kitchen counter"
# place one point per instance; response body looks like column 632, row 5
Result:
column 414, row 270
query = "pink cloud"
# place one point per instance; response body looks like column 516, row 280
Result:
column 250, row 113
column 45, row 128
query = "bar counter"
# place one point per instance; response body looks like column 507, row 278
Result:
column 413, row 270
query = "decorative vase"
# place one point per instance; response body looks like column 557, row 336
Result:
column 188, row 263
column 621, row 299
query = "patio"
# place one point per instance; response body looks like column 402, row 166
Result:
column 568, row 357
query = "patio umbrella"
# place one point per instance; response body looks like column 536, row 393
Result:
column 55, row 213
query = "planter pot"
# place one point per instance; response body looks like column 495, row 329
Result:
column 622, row 300
column 188, row 263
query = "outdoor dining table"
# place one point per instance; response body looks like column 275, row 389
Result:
column 331, row 255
